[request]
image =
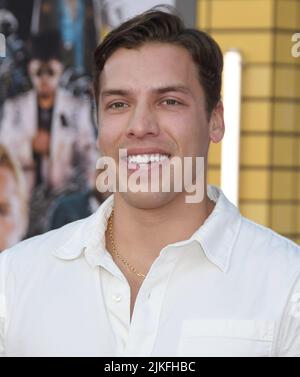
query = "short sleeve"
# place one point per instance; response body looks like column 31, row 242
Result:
column 289, row 337
column 2, row 303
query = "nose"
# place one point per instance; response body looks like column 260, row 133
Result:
column 143, row 122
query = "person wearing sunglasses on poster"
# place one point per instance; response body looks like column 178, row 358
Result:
column 47, row 128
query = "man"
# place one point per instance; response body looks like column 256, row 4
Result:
column 150, row 274
column 13, row 201
column 47, row 128
column 50, row 132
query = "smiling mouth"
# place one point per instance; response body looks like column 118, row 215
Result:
column 147, row 159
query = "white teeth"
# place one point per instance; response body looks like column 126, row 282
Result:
column 146, row 158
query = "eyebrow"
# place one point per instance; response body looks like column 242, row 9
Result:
column 114, row 92
column 160, row 90
column 173, row 88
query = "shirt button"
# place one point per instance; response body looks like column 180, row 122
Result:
column 117, row 297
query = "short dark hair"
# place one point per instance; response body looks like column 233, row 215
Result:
column 46, row 46
column 163, row 26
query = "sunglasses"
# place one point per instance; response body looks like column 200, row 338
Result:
column 47, row 71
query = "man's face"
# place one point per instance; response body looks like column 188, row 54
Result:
column 45, row 76
column 151, row 102
column 10, row 210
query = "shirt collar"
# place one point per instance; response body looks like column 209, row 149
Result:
column 89, row 237
column 216, row 236
column 219, row 232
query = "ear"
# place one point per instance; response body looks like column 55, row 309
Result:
column 216, row 123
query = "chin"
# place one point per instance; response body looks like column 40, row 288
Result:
column 148, row 200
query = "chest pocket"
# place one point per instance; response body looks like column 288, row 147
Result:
column 226, row 338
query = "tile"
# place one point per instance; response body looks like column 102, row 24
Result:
column 286, row 116
column 254, row 185
column 203, row 16
column 298, row 219
column 297, row 142
column 214, row 156
column 284, row 46
column 256, row 116
column 287, row 82
column 255, row 47
column 242, row 14
column 284, row 218
column 288, row 14
column 284, row 151
column 214, row 177
column 283, row 185
column 259, row 213
column 255, row 150
column 257, row 81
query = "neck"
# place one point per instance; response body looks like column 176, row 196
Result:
column 46, row 101
column 149, row 230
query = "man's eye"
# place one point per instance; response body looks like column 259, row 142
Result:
column 171, row 102
column 118, row 105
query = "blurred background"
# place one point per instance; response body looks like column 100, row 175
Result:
column 47, row 111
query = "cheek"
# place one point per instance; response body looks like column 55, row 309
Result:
column 107, row 140
column 191, row 133
column 199, row 134
column 111, row 132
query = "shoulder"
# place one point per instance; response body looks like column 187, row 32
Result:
column 267, row 238
column 269, row 248
column 20, row 98
column 38, row 252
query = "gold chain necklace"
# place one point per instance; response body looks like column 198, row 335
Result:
column 114, row 250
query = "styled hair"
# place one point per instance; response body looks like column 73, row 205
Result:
column 7, row 161
column 156, row 25
column 46, row 46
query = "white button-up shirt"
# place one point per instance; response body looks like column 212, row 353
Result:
column 232, row 289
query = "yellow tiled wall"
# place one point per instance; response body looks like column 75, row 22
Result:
column 270, row 115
